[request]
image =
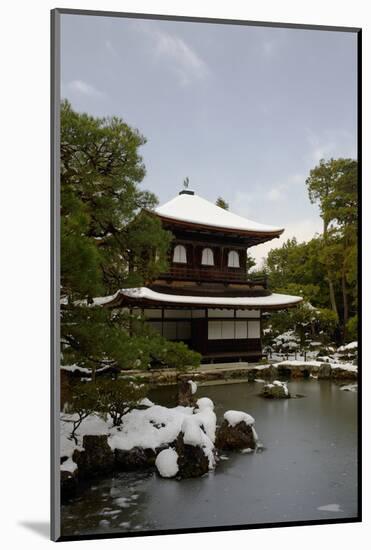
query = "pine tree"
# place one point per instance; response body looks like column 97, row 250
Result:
column 222, row 203
column 333, row 185
column 109, row 240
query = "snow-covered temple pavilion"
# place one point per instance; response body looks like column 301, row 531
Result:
column 207, row 299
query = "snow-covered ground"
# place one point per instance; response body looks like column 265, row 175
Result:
column 286, row 347
column 334, row 365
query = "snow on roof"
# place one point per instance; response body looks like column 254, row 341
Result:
column 192, row 208
column 240, row 301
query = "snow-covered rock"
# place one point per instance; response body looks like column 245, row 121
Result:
column 194, row 460
column 144, row 433
column 235, row 417
column 236, row 431
column 193, row 386
column 186, row 391
column 95, row 458
column 340, row 370
column 205, row 403
column 350, row 387
column 198, row 430
column 276, row 390
column 167, row 463
column 348, row 347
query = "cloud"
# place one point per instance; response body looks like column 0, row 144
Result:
column 243, row 203
column 110, row 48
column 332, row 143
column 188, row 62
column 182, row 59
column 320, row 147
column 303, row 230
column 81, row 87
column 274, row 194
column 279, row 191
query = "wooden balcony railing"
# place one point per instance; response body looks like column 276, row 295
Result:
column 215, row 275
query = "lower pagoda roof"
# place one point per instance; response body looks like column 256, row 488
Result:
column 145, row 297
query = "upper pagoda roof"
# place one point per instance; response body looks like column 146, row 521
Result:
column 189, row 208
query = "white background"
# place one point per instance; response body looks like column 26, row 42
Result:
column 24, row 218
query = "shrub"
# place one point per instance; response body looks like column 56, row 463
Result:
column 352, row 328
column 84, row 402
column 118, row 397
column 175, row 355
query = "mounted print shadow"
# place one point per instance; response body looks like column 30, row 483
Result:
column 205, row 285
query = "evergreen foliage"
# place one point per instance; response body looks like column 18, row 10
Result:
column 222, row 203
column 324, row 269
column 109, row 240
column 118, row 397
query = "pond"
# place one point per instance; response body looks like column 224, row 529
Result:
column 307, row 470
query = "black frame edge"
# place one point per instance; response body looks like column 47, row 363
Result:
column 55, row 527
column 196, row 19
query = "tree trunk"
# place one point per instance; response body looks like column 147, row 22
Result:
column 330, row 283
column 332, row 296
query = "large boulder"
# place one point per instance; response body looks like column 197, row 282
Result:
column 324, row 371
column 344, row 374
column 192, row 460
column 276, row 390
column 294, row 370
column 186, row 391
column 269, row 372
column 192, row 454
column 96, row 458
column 236, row 432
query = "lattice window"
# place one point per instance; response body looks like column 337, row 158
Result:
column 180, row 254
column 233, row 259
column 207, row 257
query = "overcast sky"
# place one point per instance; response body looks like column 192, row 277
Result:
column 244, row 112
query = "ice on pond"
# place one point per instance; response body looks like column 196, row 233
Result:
column 350, row 387
column 330, row 508
column 123, row 502
column 104, row 523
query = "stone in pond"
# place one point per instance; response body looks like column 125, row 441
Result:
column 186, row 390
column 134, row 459
column 96, row 458
column 324, row 371
column 276, row 390
column 192, row 460
column 236, row 432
